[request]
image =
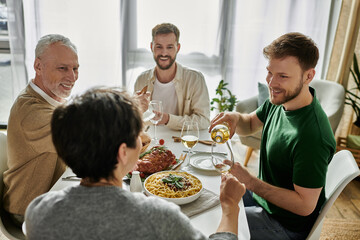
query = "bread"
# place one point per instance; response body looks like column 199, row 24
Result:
column 146, row 140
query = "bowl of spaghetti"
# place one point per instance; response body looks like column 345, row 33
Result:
column 174, row 186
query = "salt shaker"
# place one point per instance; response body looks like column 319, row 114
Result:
column 135, row 183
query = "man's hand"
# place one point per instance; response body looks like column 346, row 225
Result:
column 231, row 192
column 241, row 173
column 241, row 123
column 231, row 119
column 143, row 99
column 165, row 119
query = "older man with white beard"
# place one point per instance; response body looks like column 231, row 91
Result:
column 34, row 165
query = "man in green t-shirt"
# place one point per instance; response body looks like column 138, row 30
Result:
column 296, row 146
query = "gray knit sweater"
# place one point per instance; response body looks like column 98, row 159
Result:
column 107, row 213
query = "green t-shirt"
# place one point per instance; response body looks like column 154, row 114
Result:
column 296, row 148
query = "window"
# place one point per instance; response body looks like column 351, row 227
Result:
column 224, row 40
column 6, row 92
column 221, row 38
column 199, row 36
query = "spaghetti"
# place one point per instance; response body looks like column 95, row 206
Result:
column 162, row 184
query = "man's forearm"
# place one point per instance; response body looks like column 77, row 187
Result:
column 243, row 126
column 247, row 124
column 287, row 199
column 229, row 221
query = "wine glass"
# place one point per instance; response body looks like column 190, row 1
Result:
column 220, row 134
column 189, row 135
column 156, row 107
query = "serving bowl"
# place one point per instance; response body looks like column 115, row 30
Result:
column 176, row 200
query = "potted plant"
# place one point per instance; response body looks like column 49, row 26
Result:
column 225, row 101
column 352, row 97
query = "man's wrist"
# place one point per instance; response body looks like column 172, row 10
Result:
column 167, row 118
column 253, row 184
column 230, row 209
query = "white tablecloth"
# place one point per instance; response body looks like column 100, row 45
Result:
column 208, row 221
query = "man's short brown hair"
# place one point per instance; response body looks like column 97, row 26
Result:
column 166, row 28
column 294, row 44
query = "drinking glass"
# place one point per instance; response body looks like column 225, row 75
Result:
column 156, row 107
column 189, row 135
column 148, row 114
column 220, row 134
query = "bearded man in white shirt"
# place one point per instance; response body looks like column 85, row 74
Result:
column 34, row 165
column 182, row 90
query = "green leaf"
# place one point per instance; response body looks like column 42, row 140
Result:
column 161, row 148
column 224, row 102
column 173, row 180
column 179, row 184
column 356, row 79
column 352, row 97
column 356, row 67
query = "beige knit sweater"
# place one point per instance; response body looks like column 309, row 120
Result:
column 34, row 165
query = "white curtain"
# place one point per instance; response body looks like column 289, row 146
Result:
column 200, row 28
column 257, row 23
column 93, row 26
column 17, row 46
column 222, row 38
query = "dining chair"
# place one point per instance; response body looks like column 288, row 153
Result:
column 7, row 227
column 341, row 170
column 331, row 96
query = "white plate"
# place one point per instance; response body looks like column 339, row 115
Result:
column 203, row 161
column 178, row 201
column 148, row 115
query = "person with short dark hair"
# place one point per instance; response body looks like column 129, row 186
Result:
column 182, row 90
column 34, row 165
column 297, row 144
column 97, row 135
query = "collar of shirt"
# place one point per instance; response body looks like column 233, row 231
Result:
column 49, row 99
column 177, row 78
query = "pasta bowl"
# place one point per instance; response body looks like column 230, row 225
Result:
column 178, row 187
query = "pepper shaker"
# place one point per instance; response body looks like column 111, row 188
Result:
column 135, row 183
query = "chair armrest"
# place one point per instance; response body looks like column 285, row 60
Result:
column 247, row 105
column 331, row 96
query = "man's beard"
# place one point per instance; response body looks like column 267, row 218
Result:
column 290, row 95
column 157, row 60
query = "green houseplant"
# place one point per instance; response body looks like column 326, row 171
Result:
column 352, row 97
column 225, row 100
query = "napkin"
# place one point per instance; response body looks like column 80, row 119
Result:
column 206, row 200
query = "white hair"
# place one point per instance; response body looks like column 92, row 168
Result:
column 47, row 40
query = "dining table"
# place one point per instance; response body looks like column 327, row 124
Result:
column 207, row 221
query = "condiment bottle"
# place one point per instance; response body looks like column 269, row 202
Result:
column 135, row 183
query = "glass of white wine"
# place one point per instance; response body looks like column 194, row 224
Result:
column 190, row 135
column 157, row 108
column 220, row 134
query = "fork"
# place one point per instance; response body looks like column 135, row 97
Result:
column 181, row 160
column 206, row 142
column 71, row 178
column 143, row 90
